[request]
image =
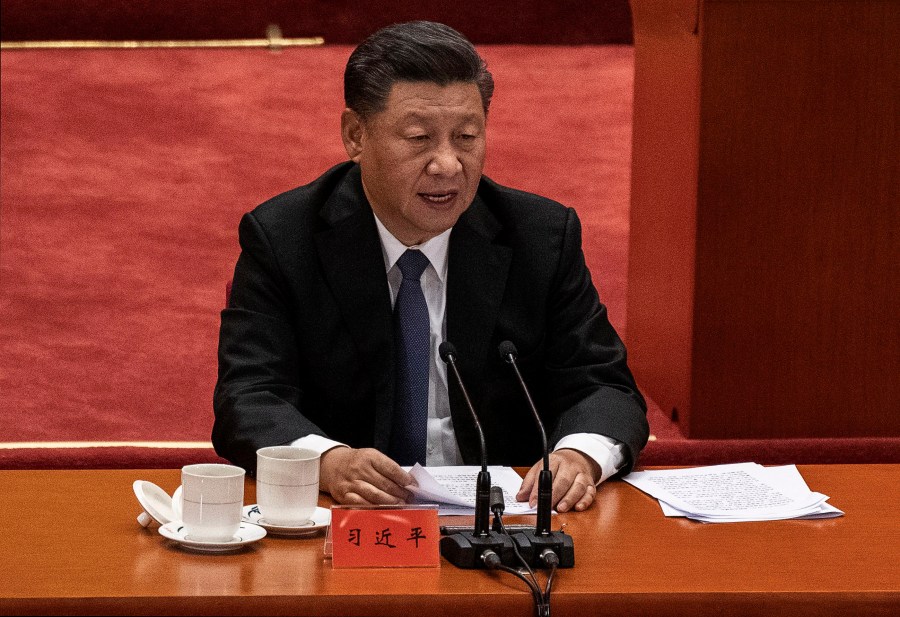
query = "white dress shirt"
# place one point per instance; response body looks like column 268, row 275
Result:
column 442, row 448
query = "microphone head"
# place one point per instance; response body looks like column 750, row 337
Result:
column 447, row 351
column 508, row 351
column 498, row 503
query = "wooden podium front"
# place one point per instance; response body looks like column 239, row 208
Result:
column 763, row 294
column 71, row 546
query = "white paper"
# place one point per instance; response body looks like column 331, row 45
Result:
column 453, row 488
column 734, row 493
column 823, row 510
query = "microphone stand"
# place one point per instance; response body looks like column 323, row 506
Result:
column 543, row 546
column 470, row 549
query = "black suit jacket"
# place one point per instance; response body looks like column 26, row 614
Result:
column 306, row 340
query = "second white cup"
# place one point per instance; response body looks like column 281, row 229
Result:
column 212, row 497
column 287, row 484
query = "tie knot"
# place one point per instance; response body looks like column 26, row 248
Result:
column 412, row 264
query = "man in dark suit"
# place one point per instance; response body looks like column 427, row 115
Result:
column 315, row 342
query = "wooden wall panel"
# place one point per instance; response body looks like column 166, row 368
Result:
column 796, row 255
column 561, row 22
column 663, row 199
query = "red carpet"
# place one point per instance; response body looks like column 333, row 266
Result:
column 124, row 175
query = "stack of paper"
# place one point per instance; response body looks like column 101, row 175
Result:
column 733, row 493
column 453, row 488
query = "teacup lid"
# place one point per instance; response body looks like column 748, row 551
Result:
column 155, row 501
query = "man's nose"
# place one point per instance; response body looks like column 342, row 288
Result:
column 445, row 161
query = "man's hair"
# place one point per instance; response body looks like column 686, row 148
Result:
column 421, row 51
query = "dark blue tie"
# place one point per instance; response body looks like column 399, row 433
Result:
column 412, row 342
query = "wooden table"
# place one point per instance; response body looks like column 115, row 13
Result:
column 70, row 544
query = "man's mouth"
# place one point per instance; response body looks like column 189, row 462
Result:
column 438, row 197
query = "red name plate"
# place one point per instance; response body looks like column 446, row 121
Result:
column 384, row 537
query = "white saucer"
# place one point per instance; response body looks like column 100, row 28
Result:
column 321, row 518
column 247, row 534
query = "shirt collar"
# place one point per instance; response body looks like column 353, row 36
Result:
column 434, row 249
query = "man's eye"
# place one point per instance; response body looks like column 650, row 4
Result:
column 467, row 137
column 419, row 138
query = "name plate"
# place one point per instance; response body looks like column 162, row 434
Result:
column 384, row 536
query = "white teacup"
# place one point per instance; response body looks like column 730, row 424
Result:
column 287, row 484
column 211, row 499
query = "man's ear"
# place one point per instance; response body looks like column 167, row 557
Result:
column 352, row 130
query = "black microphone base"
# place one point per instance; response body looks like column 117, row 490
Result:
column 532, row 546
column 464, row 549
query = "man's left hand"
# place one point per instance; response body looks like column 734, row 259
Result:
column 574, row 477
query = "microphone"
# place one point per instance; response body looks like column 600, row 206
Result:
column 483, row 485
column 468, row 549
column 542, row 539
column 545, row 481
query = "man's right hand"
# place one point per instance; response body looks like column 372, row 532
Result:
column 363, row 476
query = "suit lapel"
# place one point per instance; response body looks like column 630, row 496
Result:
column 476, row 282
column 353, row 264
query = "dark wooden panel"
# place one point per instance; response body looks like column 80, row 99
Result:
column 765, row 207
column 338, row 21
column 796, row 299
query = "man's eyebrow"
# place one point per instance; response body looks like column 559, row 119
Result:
column 415, row 116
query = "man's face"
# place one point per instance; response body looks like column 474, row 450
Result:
column 421, row 158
